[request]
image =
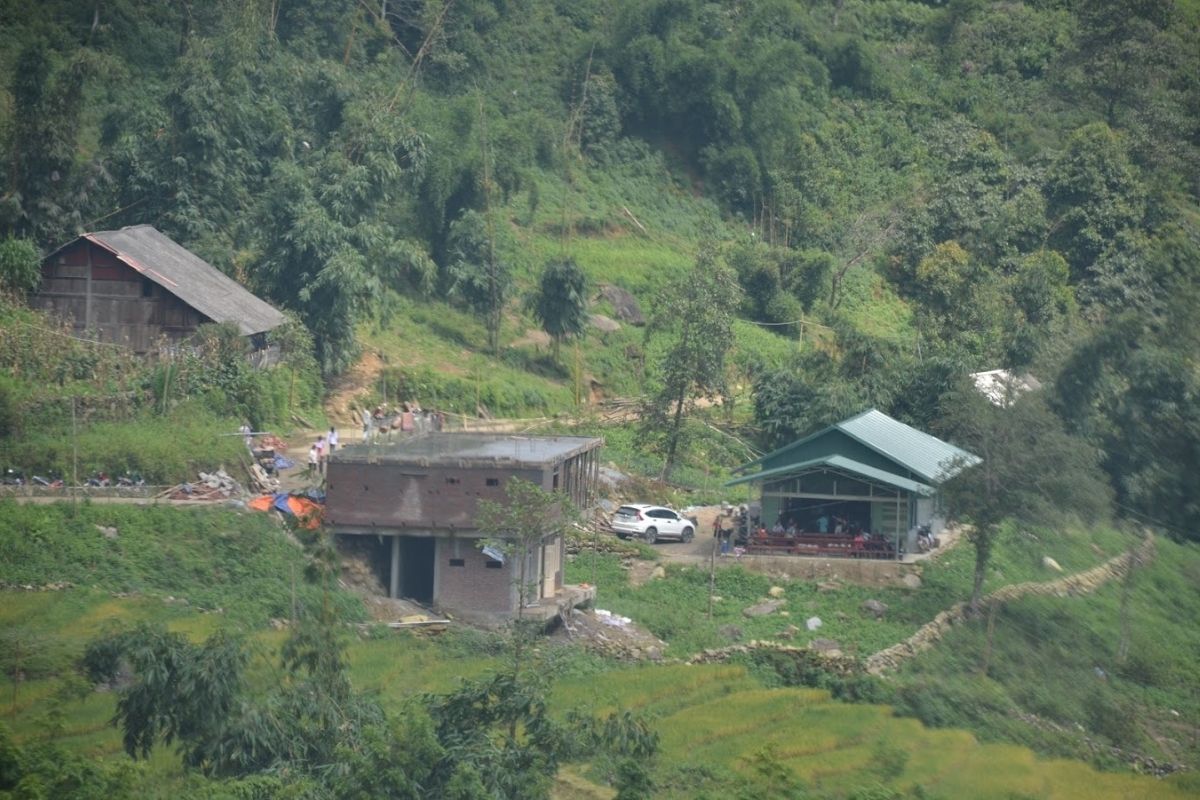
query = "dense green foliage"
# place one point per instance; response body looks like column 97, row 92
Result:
column 905, row 192
column 923, row 190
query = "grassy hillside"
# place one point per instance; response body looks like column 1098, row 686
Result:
column 725, row 730
column 239, row 565
column 723, row 735
column 1050, row 679
column 675, row 608
column 1060, row 663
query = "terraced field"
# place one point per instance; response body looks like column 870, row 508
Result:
column 717, row 722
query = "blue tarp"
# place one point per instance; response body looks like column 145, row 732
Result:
column 281, row 503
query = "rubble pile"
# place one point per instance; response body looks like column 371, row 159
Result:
column 611, row 635
column 210, row 486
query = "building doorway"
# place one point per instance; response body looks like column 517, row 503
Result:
column 416, row 568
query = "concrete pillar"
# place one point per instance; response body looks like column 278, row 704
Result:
column 394, row 578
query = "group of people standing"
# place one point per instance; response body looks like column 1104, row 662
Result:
column 409, row 419
column 320, row 451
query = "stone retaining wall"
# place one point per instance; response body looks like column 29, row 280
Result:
column 1080, row 583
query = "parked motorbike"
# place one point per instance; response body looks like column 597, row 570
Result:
column 926, row 541
column 131, row 480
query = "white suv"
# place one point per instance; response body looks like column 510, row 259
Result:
column 652, row 523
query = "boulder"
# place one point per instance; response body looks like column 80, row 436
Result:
column 775, row 591
column 911, row 581
column 611, row 477
column 731, row 632
column 624, row 304
column 658, row 573
column 788, row 633
column 812, row 623
column 1051, row 564
column 827, row 646
column 108, row 531
column 604, row 324
column 762, row 609
column 873, row 608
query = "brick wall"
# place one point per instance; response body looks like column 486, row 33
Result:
column 473, row 586
column 409, row 496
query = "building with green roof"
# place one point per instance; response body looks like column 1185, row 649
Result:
column 870, row 470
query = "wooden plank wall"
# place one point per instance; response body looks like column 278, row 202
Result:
column 105, row 298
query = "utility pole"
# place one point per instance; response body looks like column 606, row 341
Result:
column 74, row 455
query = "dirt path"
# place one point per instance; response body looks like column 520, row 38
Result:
column 356, row 381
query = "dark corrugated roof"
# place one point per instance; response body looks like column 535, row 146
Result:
column 189, row 277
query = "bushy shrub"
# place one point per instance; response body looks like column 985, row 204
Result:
column 19, row 265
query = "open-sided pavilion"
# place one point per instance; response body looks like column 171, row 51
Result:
column 871, row 472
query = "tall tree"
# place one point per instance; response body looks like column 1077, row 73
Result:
column 479, row 276
column 698, row 310
column 1133, row 389
column 560, row 302
column 1031, row 471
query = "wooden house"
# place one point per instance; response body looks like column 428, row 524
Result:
column 417, row 497
column 871, row 470
column 138, row 288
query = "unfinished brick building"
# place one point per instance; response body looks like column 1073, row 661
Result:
column 417, row 496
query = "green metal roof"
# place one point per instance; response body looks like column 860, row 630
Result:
column 923, row 455
column 844, row 464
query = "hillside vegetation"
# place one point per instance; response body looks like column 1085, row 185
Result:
column 934, row 189
column 818, row 207
column 748, row 729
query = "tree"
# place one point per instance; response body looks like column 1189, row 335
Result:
column 1044, row 304
column 699, row 311
column 517, row 528
column 48, row 102
column 180, row 691
column 1131, row 389
column 20, row 264
column 560, row 302
column 1031, row 471
column 478, row 275
column 1093, row 193
column 961, row 302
